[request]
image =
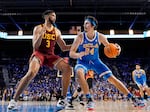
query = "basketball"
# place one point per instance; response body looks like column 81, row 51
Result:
column 112, row 50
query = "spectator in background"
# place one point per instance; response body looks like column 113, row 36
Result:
column 73, row 30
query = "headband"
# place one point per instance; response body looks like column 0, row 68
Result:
column 91, row 21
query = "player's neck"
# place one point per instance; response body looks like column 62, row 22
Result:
column 91, row 34
column 48, row 26
column 137, row 69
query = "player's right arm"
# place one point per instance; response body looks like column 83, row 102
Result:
column 38, row 32
column 73, row 51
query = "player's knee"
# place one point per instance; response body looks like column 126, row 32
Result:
column 80, row 72
column 108, row 76
column 79, row 89
column 66, row 68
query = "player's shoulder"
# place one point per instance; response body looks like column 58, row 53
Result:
column 134, row 71
column 57, row 31
column 39, row 26
column 142, row 70
column 100, row 34
column 79, row 36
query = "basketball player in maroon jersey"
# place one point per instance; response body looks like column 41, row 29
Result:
column 45, row 36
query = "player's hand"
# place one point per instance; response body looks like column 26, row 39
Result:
column 119, row 48
column 86, row 52
column 81, row 54
column 108, row 48
column 43, row 30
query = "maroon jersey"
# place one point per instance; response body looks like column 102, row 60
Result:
column 45, row 53
column 48, row 42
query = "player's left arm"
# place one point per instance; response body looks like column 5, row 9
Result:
column 61, row 42
column 103, row 39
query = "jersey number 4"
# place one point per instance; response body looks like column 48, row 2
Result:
column 91, row 50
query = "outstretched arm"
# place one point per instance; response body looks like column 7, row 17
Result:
column 61, row 42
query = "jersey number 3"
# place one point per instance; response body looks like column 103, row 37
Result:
column 47, row 43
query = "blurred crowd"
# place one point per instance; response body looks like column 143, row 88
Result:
column 46, row 86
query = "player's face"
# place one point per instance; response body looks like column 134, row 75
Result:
column 137, row 67
column 52, row 17
column 87, row 25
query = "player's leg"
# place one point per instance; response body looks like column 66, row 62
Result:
column 141, row 88
column 147, row 89
column 66, row 71
column 145, row 86
column 90, row 84
column 104, row 71
column 66, row 75
column 75, row 94
column 78, row 93
column 25, row 81
column 118, row 84
column 81, row 70
column 121, row 87
column 81, row 99
column 82, row 81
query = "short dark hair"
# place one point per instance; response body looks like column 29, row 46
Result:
column 47, row 12
column 138, row 64
column 93, row 21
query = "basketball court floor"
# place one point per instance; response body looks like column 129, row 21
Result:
column 101, row 106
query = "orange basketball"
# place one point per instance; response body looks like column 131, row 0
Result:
column 112, row 50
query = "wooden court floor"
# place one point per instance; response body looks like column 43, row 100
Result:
column 100, row 106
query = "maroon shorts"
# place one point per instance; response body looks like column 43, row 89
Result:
column 45, row 59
